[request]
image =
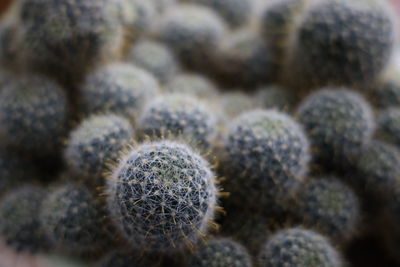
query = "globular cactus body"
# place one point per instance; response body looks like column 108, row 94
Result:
column 162, row 196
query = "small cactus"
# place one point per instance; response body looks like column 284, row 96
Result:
column 339, row 123
column 388, row 126
column 154, row 57
column 220, row 252
column 266, row 153
column 66, row 39
column 192, row 84
column 20, row 226
column 330, row 206
column 162, row 196
column 95, row 144
column 73, row 219
column 179, row 116
column 341, row 43
column 192, row 31
column 33, row 114
column 299, row 247
column 236, row 103
column 119, row 88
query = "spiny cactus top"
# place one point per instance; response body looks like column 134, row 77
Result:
column 181, row 116
column 339, row 123
column 388, row 126
column 118, row 88
column 192, row 31
column 266, row 153
column 343, row 43
column 70, row 35
column 235, row 12
column 96, row 143
column 162, row 196
column 192, row 84
column 377, row 169
column 20, row 227
column 330, row 206
column 72, row 219
column 33, row 114
column 14, row 171
column 243, row 59
column 275, row 97
column 298, row 247
column 235, row 103
column 155, row 58
column 220, row 252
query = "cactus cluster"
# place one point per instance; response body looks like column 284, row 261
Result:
column 199, row 133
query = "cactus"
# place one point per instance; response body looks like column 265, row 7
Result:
column 20, row 227
column 341, row 43
column 266, row 153
column 154, row 57
column 14, row 171
column 236, row 103
column 243, row 59
column 235, row 12
column 192, row 31
column 377, row 169
column 95, row 143
column 33, row 114
column 119, row 88
column 220, row 252
column 388, row 126
column 329, row 206
column 179, row 116
column 339, row 123
column 275, row 97
column 299, row 247
column 66, row 39
column 73, row 219
column 162, row 197
column 192, row 84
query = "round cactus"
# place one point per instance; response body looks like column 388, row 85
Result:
column 342, row 43
column 95, row 143
column 162, row 196
column 220, row 252
column 118, row 88
column 388, row 126
column 192, row 84
column 339, row 123
column 67, row 38
column 275, row 97
column 235, row 103
column 154, row 57
column 33, row 114
column 235, row 12
column 146, row 12
column 243, row 59
column 266, row 153
column 299, row 247
column 20, row 227
column 73, row 220
column 192, row 31
column 182, row 117
column 329, row 206
column 14, row 171
column 377, row 169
